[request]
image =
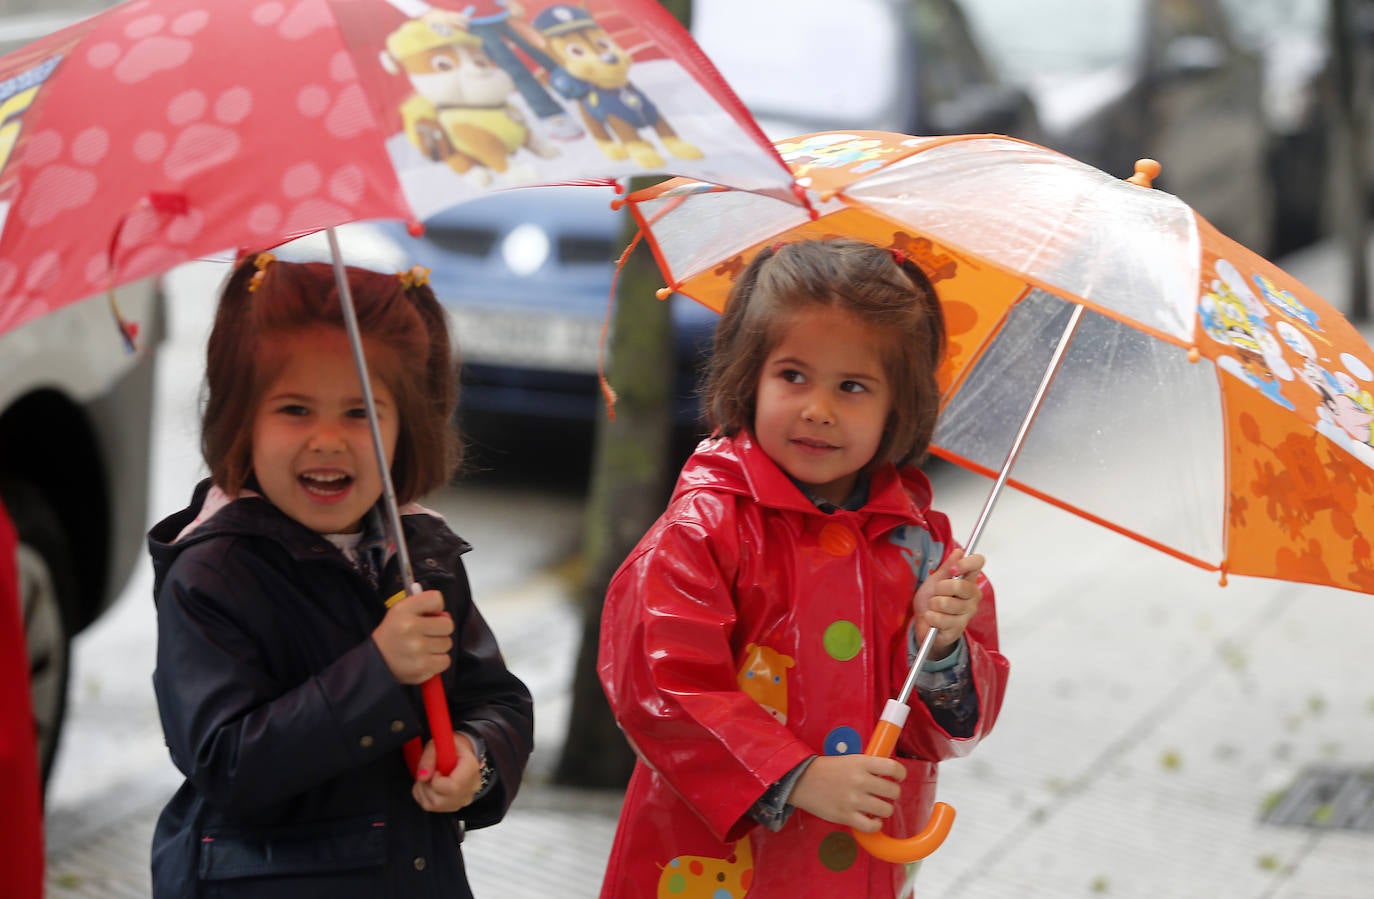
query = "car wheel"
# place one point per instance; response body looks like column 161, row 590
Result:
column 47, row 587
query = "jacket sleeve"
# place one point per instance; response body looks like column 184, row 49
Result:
column 923, row 737
column 488, row 701
column 245, row 736
column 668, row 669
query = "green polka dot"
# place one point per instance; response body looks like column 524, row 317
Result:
column 843, row 640
column 676, row 884
column 838, row 850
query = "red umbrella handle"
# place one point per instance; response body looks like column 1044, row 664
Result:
column 440, row 727
column 918, row 846
column 440, row 724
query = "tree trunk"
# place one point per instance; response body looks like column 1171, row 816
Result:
column 627, row 492
column 1348, row 52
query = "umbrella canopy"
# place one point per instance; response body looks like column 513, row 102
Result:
column 1209, row 405
column 161, row 131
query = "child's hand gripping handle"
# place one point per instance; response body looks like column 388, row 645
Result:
column 436, row 712
column 918, row 846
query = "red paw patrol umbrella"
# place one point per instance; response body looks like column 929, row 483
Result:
column 1185, row 392
column 162, row 131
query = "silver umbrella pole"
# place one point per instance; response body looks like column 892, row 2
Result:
column 355, row 342
column 1050, row 370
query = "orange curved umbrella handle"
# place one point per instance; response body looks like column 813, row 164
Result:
column 917, row 846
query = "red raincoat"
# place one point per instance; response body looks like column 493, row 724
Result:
column 21, row 825
column 748, row 631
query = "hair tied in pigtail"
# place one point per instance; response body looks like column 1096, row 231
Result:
column 415, row 276
column 260, row 262
column 898, row 256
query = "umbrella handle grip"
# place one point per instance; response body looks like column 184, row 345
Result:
column 440, row 726
column 436, row 712
column 919, row 845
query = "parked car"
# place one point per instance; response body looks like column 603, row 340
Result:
column 1293, row 37
column 75, row 417
column 526, row 275
column 1166, row 79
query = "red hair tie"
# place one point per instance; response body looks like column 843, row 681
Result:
column 898, row 256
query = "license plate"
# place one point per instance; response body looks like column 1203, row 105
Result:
column 526, row 339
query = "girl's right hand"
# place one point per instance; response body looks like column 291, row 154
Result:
column 415, row 637
column 855, row 791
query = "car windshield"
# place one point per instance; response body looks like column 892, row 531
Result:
column 1055, row 37
column 812, row 61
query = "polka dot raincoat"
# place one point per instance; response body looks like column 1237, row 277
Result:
column 748, row 631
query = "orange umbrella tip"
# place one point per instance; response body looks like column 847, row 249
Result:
column 1146, row 171
column 415, row 228
column 663, row 293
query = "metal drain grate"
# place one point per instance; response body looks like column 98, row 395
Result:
column 1326, row 799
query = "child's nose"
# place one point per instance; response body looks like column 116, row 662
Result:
column 326, row 439
column 818, row 410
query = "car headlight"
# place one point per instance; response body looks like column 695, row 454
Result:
column 525, row 249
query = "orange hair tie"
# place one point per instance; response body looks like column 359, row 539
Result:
column 415, row 276
column 260, row 262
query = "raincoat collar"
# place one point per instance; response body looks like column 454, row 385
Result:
column 736, row 465
column 247, row 515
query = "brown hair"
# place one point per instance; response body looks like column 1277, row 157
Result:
column 407, row 347
column 889, row 293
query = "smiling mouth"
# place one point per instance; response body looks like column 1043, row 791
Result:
column 325, row 484
column 806, row 443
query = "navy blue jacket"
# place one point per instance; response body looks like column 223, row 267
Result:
column 288, row 726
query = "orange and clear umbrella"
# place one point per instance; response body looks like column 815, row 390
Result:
column 1183, row 390
column 1241, row 398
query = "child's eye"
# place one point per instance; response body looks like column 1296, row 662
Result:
column 359, row 412
column 853, row 387
column 293, row 409
column 792, row 376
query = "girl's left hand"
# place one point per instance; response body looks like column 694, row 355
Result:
column 947, row 601
column 450, row 792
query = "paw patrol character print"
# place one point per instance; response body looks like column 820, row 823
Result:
column 832, row 151
column 1231, row 315
column 613, row 109
column 461, row 112
column 763, row 676
column 704, row 877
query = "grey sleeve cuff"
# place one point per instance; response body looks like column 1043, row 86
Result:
column 771, row 810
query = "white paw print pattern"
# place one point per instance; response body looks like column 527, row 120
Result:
column 180, row 129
